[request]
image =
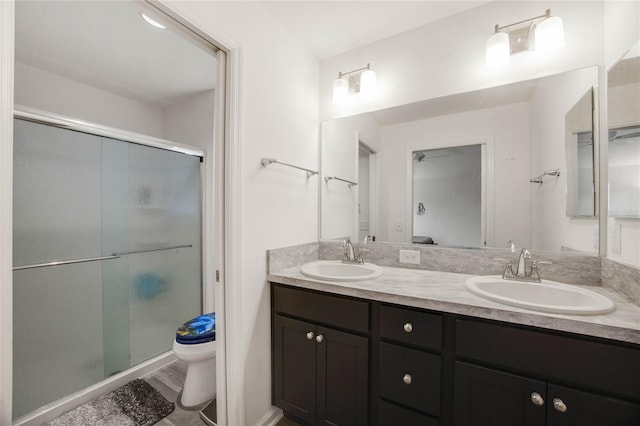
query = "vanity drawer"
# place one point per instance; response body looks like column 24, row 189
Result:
column 594, row 364
column 410, row 377
column 342, row 312
column 391, row 414
column 416, row 328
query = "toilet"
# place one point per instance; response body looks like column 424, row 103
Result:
column 195, row 343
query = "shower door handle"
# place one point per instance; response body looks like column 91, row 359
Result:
column 96, row 259
column 66, row 262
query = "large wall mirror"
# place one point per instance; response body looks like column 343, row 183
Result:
column 623, row 111
column 473, row 169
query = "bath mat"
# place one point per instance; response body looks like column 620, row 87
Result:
column 135, row 404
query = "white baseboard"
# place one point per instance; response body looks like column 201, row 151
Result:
column 271, row 417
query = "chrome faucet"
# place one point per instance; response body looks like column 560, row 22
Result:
column 525, row 256
column 527, row 268
column 367, row 239
column 351, row 253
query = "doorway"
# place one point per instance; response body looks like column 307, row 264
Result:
column 448, row 196
column 367, row 198
column 133, row 93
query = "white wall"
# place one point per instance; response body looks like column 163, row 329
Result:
column 278, row 117
column 447, row 56
column 505, row 128
column 190, row 121
column 59, row 95
column 621, row 29
column 339, row 153
column 449, row 220
column 551, row 101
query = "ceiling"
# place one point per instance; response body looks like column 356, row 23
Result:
column 98, row 43
column 329, row 28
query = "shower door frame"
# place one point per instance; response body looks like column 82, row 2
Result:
column 34, row 115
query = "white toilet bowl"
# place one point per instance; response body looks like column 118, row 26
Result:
column 200, row 382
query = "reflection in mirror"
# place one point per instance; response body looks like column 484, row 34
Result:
column 438, row 218
column 581, row 177
column 522, row 129
column 624, row 172
column 623, row 112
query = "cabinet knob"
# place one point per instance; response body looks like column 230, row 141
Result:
column 537, row 399
column 559, row 405
column 319, row 338
column 408, row 327
column 407, row 379
column 310, row 335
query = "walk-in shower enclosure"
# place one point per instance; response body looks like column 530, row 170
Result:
column 127, row 218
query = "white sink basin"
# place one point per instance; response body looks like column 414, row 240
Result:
column 547, row 296
column 335, row 270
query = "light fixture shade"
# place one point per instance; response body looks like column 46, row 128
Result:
column 498, row 53
column 550, row 34
column 368, row 83
column 340, row 90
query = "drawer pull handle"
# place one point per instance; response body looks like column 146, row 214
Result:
column 407, row 379
column 537, row 399
column 310, row 335
column 408, row 327
column 319, row 338
column 559, row 405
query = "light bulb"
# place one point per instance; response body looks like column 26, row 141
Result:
column 340, row 90
column 498, row 53
column 368, row 83
column 550, row 34
column 152, row 22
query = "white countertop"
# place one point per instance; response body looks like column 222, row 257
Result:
column 445, row 292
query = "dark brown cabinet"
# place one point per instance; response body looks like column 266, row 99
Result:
column 320, row 374
column 409, row 366
column 345, row 361
column 485, row 396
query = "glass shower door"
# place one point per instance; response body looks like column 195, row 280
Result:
column 79, row 196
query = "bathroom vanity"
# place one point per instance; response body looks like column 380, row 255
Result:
column 414, row 348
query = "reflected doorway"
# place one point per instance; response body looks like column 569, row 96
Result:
column 367, row 199
column 448, row 196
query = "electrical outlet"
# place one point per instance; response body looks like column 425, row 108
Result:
column 399, row 226
column 410, row 256
column 364, row 226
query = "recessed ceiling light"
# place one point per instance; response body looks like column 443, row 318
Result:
column 151, row 21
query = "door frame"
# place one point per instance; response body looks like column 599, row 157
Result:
column 227, row 194
column 374, row 159
column 487, row 185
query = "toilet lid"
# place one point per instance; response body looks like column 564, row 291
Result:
column 200, row 329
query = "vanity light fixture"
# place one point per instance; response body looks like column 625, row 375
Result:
column 545, row 35
column 361, row 80
column 152, row 22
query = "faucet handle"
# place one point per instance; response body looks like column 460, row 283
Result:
column 508, row 268
column 534, row 269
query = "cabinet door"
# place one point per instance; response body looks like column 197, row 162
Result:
column 294, row 367
column 343, row 386
column 568, row 407
column 487, row 397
